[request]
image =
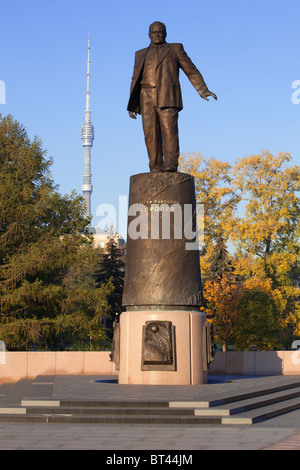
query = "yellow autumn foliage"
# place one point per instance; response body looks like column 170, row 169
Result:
column 255, row 204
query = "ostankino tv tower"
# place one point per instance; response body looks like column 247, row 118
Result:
column 87, row 137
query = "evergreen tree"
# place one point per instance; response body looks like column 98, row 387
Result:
column 42, row 235
column 111, row 268
column 86, row 304
column 218, row 260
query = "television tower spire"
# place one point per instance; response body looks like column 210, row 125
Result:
column 87, row 137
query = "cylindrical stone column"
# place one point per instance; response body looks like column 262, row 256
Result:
column 162, row 256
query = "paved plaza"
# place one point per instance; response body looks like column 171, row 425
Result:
column 42, row 436
column 282, row 432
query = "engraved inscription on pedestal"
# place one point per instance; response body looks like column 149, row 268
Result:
column 158, row 346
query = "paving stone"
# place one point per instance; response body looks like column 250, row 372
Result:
column 281, row 431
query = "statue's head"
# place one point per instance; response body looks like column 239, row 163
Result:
column 157, row 33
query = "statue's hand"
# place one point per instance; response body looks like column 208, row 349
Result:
column 132, row 115
column 206, row 94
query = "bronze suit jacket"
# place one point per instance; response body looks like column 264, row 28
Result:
column 167, row 77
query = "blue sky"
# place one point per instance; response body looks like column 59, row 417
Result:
column 247, row 51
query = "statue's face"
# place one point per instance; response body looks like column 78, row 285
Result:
column 157, row 34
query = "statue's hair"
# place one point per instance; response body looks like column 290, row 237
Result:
column 161, row 24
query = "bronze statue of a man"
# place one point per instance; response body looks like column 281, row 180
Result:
column 155, row 94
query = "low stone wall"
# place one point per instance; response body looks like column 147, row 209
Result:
column 256, row 363
column 27, row 365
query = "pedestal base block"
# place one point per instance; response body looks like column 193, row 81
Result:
column 162, row 347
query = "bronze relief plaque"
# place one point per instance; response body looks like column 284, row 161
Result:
column 158, row 347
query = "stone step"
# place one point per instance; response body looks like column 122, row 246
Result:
column 117, row 419
column 144, row 415
column 234, row 396
column 109, row 410
column 96, row 403
column 244, row 406
column 264, row 413
column 11, row 393
column 241, row 406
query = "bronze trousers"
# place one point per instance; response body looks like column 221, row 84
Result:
column 160, row 127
